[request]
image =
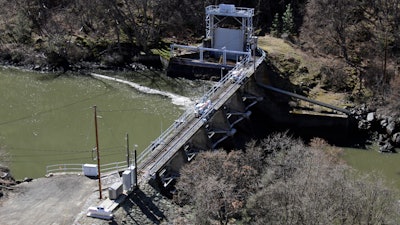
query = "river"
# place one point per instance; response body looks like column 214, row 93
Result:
column 48, row 119
column 371, row 160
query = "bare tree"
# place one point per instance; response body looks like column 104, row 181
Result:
column 382, row 19
column 328, row 25
column 217, row 184
column 282, row 181
column 320, row 191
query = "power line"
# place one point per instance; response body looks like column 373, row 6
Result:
column 37, row 114
column 122, row 110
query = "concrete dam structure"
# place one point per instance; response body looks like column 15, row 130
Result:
column 234, row 110
column 244, row 104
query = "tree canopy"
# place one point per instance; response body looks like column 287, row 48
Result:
column 282, row 181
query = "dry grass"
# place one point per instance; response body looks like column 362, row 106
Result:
column 277, row 47
column 279, row 50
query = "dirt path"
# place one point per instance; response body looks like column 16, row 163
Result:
column 55, row 200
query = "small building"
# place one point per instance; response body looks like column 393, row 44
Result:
column 229, row 27
column 90, row 170
column 129, row 178
column 229, row 39
column 115, row 191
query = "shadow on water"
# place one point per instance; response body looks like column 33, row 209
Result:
column 50, row 76
column 146, row 206
column 280, row 112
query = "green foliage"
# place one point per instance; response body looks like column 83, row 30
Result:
column 288, row 26
column 285, row 24
column 276, row 26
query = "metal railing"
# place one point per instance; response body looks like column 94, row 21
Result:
column 59, row 168
column 113, row 167
column 239, row 11
column 189, row 113
column 78, row 168
column 201, row 50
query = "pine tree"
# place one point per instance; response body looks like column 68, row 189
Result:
column 276, row 26
column 288, row 21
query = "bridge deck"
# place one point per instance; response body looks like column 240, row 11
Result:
column 183, row 132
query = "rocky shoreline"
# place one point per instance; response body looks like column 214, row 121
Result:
column 6, row 180
column 382, row 129
column 44, row 64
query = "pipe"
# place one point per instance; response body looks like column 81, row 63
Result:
column 268, row 87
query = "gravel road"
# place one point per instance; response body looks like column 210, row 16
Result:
column 64, row 199
column 54, row 200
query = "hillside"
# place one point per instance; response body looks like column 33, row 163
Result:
column 302, row 69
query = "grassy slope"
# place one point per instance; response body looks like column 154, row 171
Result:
column 280, row 52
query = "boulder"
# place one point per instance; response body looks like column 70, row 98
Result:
column 396, row 139
column 386, row 148
column 382, row 138
column 390, row 128
column 384, row 123
column 371, row 117
column 27, row 179
column 364, row 125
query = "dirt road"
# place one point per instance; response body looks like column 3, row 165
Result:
column 55, row 200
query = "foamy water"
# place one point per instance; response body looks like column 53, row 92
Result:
column 175, row 99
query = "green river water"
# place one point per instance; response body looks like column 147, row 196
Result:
column 46, row 120
column 387, row 165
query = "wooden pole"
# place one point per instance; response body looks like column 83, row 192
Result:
column 127, row 150
column 97, row 150
column 136, row 169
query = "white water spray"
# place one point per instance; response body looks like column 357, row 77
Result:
column 176, row 99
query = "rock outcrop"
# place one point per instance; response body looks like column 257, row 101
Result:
column 383, row 129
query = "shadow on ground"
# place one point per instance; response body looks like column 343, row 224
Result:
column 146, row 204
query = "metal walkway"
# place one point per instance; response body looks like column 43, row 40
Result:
column 155, row 156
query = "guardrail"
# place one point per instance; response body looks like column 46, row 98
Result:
column 112, row 167
column 58, row 168
column 248, row 12
column 77, row 168
column 189, row 113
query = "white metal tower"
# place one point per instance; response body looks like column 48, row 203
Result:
column 227, row 37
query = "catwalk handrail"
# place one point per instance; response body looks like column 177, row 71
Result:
column 189, row 113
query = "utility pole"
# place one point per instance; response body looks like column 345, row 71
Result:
column 127, row 150
column 136, row 168
column 97, row 150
